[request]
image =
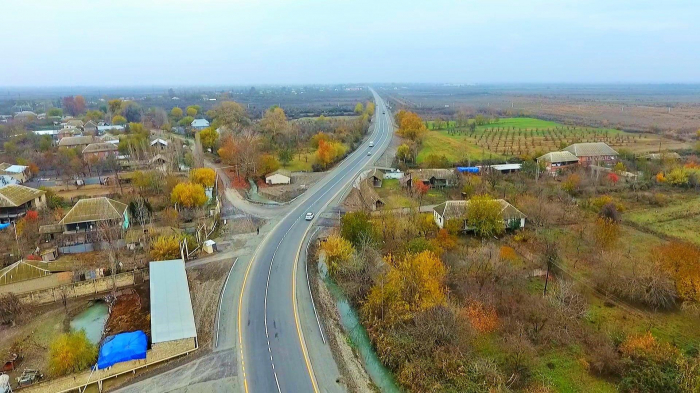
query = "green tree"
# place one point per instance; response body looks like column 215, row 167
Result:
column 115, row 106
column 118, row 120
column 185, row 121
column 54, row 112
column 176, row 113
column 358, row 228
column 191, row 111
column 230, row 114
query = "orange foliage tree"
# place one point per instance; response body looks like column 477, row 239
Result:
column 413, row 283
column 482, row 317
column 682, row 261
column 411, row 126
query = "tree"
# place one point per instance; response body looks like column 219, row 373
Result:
column 338, row 252
column 413, row 283
column 204, row 176
column 682, row 261
column 73, row 105
column 484, row 217
column 231, row 115
column 411, row 126
column 94, row 116
column 359, row 108
column 369, row 108
column 285, row 155
column 328, row 152
column 115, row 106
column 71, row 352
column 185, row 121
column 571, row 184
column 11, row 309
column 267, row 164
column 176, row 113
column 119, row 120
column 54, row 112
column 209, row 137
column 606, row 232
column 274, row 122
column 358, row 228
column 191, row 111
column 421, row 189
column 165, row 248
column 188, row 195
column 404, row 153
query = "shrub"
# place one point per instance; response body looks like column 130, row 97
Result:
column 71, row 352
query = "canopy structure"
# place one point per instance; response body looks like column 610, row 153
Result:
column 122, row 348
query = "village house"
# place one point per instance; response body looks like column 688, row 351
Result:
column 280, row 176
column 435, row 178
column 16, row 200
column 596, row 153
column 107, row 128
column 160, row 144
column 90, row 128
column 80, row 142
column 376, row 177
column 669, row 155
column 557, row 161
column 457, row 210
column 99, row 151
column 363, row 196
column 73, row 123
column 21, row 173
column 199, row 124
column 90, row 213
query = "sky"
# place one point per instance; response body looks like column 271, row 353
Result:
column 242, row 42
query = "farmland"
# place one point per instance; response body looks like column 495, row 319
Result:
column 680, row 219
column 527, row 137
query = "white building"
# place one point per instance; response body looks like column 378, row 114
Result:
column 279, row 176
column 172, row 318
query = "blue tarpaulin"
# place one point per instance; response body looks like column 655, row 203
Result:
column 468, row 169
column 3, row 226
column 121, row 348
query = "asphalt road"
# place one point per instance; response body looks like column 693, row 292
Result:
column 274, row 354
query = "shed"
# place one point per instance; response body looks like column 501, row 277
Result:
column 172, row 318
column 209, row 246
column 279, row 176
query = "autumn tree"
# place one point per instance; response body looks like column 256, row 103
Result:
column 411, row 126
column 71, row 352
column 165, row 248
column 209, row 137
column 274, row 122
column 369, row 108
column 682, row 261
column 483, row 216
column 176, row 113
column 572, row 184
column 267, row 163
column 119, row 120
column 606, row 232
column 359, row 108
column 204, row 176
column 358, row 228
column 188, row 195
column 338, row 252
column 230, row 115
column 404, row 153
column 191, row 111
column 421, row 189
column 328, row 152
column 114, row 106
column 94, row 116
column 413, row 283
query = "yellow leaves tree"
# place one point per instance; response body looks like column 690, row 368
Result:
column 71, row 352
column 274, row 121
column 369, row 108
column 188, row 195
column 176, row 113
column 209, row 137
column 359, row 108
column 484, row 217
column 338, row 252
column 682, row 261
column 165, row 248
column 191, row 111
column 411, row 126
column 328, row 152
column 606, row 232
column 119, row 120
column 413, row 283
column 204, row 176
column 267, row 163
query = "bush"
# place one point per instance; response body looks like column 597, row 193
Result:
column 71, row 352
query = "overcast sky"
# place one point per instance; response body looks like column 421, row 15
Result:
column 196, row 42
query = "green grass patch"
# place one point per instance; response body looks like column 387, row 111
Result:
column 564, row 370
column 680, row 219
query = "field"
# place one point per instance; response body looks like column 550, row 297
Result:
column 680, row 219
column 528, row 136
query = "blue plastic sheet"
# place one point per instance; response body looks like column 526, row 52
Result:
column 122, row 348
column 3, row 226
column 468, row 169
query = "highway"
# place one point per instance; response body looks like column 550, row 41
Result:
column 273, row 350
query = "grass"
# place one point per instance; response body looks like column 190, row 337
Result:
column 526, row 136
column 564, row 370
column 679, row 219
column 392, row 195
column 301, row 163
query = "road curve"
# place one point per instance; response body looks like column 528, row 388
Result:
column 273, row 353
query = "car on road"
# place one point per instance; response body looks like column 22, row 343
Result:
column 383, row 113
column 371, row 143
column 369, row 153
column 309, row 216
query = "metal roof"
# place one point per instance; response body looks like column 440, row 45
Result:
column 75, row 140
column 98, row 147
column 591, row 149
column 172, row 317
column 94, row 209
column 507, row 167
column 558, row 156
column 455, row 209
column 200, row 123
column 14, row 195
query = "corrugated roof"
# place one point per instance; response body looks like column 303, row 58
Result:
column 76, row 140
column 427, row 174
column 455, row 209
column 14, row 195
column 377, row 173
column 98, row 147
column 171, row 307
column 558, row 156
column 161, row 141
column 200, row 123
column 282, row 172
column 591, row 149
column 94, row 209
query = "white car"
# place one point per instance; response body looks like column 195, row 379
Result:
column 371, row 143
column 309, row 216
